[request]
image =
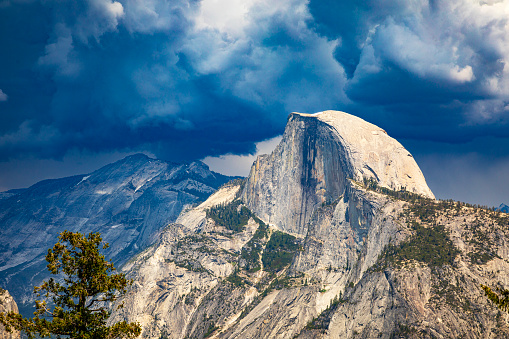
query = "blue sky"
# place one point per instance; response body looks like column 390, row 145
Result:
column 83, row 83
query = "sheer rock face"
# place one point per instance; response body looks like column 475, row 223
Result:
column 179, row 280
column 7, row 304
column 318, row 155
column 192, row 283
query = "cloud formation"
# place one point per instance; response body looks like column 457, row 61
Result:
column 3, row 96
column 451, row 56
column 183, row 79
column 234, row 165
column 187, row 79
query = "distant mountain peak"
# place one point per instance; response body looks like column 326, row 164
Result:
column 199, row 167
column 128, row 201
column 138, row 156
column 134, row 158
column 503, row 208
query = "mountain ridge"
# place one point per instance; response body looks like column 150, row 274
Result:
column 318, row 242
column 128, row 201
column 324, row 254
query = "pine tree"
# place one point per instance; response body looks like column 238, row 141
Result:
column 500, row 300
column 76, row 307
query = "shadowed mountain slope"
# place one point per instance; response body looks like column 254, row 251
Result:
column 128, row 202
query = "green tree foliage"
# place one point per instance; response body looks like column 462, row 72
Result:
column 500, row 299
column 251, row 251
column 80, row 301
column 233, row 216
column 429, row 245
column 402, row 194
column 279, row 251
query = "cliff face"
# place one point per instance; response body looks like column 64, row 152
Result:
column 426, row 284
column 127, row 202
column 318, row 155
column 7, row 304
column 177, row 273
column 321, row 241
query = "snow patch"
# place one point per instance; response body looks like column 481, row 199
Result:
column 84, row 178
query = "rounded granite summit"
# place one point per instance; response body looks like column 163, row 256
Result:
column 318, row 161
column 372, row 153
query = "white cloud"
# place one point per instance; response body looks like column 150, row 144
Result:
column 151, row 16
column 462, row 75
column 234, row 18
column 457, row 50
column 420, row 52
column 228, row 16
column 115, row 9
column 440, row 41
column 230, row 164
column 3, row 96
column 232, row 40
column 101, row 16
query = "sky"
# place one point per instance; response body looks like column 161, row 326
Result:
column 87, row 82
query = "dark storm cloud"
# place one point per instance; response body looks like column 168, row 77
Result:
column 161, row 76
column 434, row 70
column 473, row 172
column 187, row 79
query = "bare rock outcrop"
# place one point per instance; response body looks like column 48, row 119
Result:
column 318, row 154
column 333, row 235
column 7, row 304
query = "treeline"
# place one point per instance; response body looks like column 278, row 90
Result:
column 279, row 251
column 429, row 245
column 232, row 215
column 402, row 194
column 426, row 208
